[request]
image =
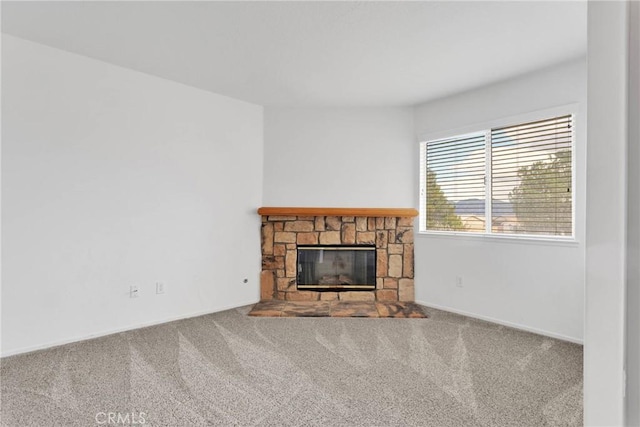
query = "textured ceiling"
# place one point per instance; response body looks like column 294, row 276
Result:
column 314, row 53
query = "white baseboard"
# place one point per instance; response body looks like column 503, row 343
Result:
column 504, row 323
column 123, row 329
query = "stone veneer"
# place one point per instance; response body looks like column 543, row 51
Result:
column 393, row 237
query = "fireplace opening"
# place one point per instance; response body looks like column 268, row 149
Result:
column 336, row 267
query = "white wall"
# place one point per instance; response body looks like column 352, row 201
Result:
column 606, row 213
column 340, row 157
column 111, row 178
column 532, row 285
column 633, row 219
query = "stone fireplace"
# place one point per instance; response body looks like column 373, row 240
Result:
column 385, row 233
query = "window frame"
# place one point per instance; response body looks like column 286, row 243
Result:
column 486, row 128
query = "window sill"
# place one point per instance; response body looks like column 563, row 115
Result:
column 528, row 240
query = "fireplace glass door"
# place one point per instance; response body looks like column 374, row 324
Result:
column 333, row 268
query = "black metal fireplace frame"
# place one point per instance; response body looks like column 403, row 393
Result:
column 336, row 287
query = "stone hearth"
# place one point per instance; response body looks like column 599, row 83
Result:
column 390, row 230
column 275, row 308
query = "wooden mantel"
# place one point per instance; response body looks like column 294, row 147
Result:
column 366, row 212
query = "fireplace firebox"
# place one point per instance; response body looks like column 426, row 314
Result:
column 336, row 267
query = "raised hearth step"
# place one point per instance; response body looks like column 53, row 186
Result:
column 337, row 309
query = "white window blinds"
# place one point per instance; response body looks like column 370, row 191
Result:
column 522, row 174
column 531, row 178
column 455, row 183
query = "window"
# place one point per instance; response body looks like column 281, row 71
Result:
column 512, row 180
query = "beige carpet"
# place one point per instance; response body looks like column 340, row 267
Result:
column 231, row 369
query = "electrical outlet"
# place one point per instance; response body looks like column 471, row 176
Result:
column 459, row 281
column 159, row 288
column 133, row 291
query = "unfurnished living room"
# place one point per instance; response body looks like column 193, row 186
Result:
column 319, row 213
